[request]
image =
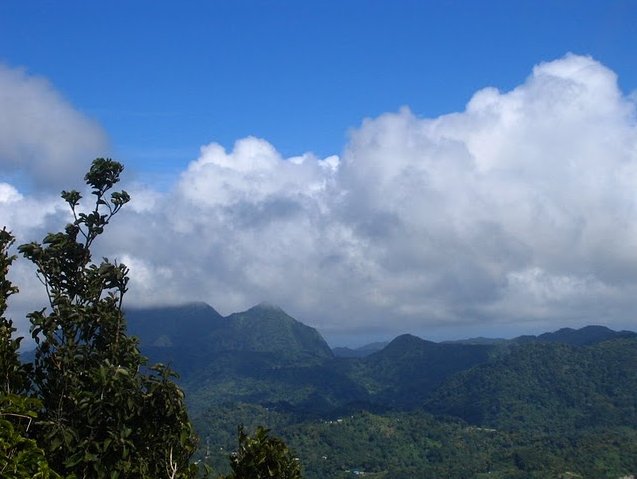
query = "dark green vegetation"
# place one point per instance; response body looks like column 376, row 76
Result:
column 561, row 404
column 548, row 388
column 419, row 445
column 262, row 456
column 88, row 406
column 20, row 455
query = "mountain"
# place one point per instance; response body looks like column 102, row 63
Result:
column 173, row 326
column 261, row 355
column 479, row 340
column 586, row 336
column 175, row 335
column 360, row 352
column 408, row 369
column 547, row 387
column 561, row 404
column 191, row 337
column 265, row 356
column 267, row 328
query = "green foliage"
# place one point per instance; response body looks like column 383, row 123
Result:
column 13, row 375
column 404, row 373
column 20, row 457
column 558, row 405
column 89, row 406
column 549, row 388
column 262, row 456
column 103, row 413
column 416, row 444
column 535, row 411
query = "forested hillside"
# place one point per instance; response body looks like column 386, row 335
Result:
column 547, row 387
column 561, row 404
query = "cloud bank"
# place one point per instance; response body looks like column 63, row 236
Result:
column 42, row 137
column 517, row 214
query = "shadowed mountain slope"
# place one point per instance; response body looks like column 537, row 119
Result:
column 192, row 337
column 409, row 368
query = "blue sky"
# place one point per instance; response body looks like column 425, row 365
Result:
column 165, row 77
column 270, row 156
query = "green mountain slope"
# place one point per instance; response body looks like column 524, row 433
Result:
column 547, row 387
column 561, row 404
column 176, row 335
column 173, row 326
column 192, row 337
column 418, row 445
column 408, row 369
column 586, row 336
column 267, row 328
column 360, row 352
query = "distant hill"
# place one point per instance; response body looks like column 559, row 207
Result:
column 405, row 372
column 191, row 337
column 173, row 326
column 560, row 404
column 547, row 386
column 267, row 328
column 478, row 340
column 585, row 336
column 176, row 335
column 360, row 352
column 265, row 356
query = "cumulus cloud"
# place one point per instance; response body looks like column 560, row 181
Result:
column 515, row 215
column 43, row 138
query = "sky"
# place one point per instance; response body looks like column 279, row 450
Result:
column 447, row 168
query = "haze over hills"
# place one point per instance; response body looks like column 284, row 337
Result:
column 585, row 336
column 362, row 351
column 495, row 406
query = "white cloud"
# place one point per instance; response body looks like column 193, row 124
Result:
column 520, row 210
column 252, row 173
column 42, row 137
column 8, row 194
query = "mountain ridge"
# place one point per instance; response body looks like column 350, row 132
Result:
column 506, row 400
column 200, row 317
column 263, row 354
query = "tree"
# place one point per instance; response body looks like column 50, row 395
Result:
column 13, row 373
column 20, row 457
column 89, row 406
column 262, row 456
column 104, row 413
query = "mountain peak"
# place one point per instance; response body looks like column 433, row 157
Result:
column 407, row 339
column 403, row 345
column 266, row 306
column 267, row 328
column 586, row 336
